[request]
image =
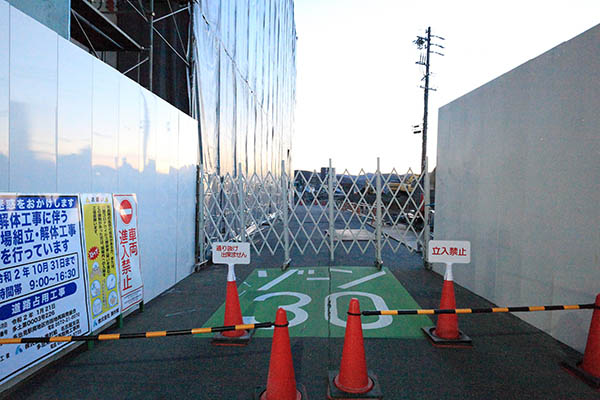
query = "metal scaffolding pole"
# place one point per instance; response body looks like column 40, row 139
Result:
column 242, row 203
column 378, row 219
column 151, row 47
column 331, row 217
column 286, row 221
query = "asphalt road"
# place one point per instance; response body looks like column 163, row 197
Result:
column 510, row 359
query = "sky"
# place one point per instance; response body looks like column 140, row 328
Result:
column 358, row 92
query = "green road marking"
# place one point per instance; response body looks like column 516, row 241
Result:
column 304, row 294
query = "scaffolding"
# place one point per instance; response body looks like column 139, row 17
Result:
column 135, row 36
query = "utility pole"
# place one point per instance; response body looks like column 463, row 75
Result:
column 424, row 42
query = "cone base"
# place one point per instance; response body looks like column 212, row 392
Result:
column 300, row 392
column 575, row 369
column 221, row 340
column 334, row 393
column 463, row 341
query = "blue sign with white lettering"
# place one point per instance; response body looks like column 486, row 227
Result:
column 42, row 284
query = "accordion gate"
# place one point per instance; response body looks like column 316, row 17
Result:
column 315, row 211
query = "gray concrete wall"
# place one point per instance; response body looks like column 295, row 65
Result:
column 519, row 176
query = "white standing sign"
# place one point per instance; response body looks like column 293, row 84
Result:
column 449, row 251
column 231, row 253
column 128, row 254
column 42, row 278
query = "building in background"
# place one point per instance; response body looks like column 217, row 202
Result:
column 517, row 175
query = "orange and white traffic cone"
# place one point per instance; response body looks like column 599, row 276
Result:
column 446, row 333
column 447, row 324
column 233, row 316
column 353, row 381
column 281, row 382
column 589, row 369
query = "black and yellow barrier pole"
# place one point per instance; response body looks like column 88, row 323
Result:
column 481, row 310
column 142, row 335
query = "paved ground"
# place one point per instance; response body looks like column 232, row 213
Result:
column 312, row 294
column 510, row 358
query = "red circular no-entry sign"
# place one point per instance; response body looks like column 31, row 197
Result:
column 125, row 211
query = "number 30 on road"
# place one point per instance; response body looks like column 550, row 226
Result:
column 300, row 315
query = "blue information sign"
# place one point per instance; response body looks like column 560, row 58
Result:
column 42, row 283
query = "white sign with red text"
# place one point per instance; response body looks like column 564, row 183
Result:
column 231, row 253
column 449, row 251
column 127, row 240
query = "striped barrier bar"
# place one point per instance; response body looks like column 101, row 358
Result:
column 481, row 310
column 117, row 336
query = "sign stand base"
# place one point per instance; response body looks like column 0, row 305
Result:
column 259, row 391
column 462, row 340
column 334, row 393
column 220, row 340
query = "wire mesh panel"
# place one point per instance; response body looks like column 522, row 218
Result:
column 316, row 211
column 355, row 210
column 264, row 200
column 402, row 210
column 308, row 212
column 237, row 208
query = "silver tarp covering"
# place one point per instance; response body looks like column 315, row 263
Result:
column 246, row 72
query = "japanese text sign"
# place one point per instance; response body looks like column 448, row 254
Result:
column 449, row 251
column 131, row 286
column 103, row 275
column 42, row 286
column 231, row 253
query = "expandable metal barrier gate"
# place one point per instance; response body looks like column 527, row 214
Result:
column 315, row 211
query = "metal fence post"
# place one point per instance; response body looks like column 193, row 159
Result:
column 378, row 222
column 242, row 205
column 426, row 201
column 331, row 221
column 202, row 222
column 286, row 224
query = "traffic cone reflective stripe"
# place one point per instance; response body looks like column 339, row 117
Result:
column 447, row 324
column 591, row 356
column 353, row 376
column 233, row 312
column 281, row 382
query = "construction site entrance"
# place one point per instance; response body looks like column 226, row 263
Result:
column 315, row 211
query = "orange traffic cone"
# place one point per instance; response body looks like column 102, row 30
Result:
column 447, row 324
column 589, row 368
column 233, row 316
column 446, row 333
column 281, row 382
column 353, row 381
